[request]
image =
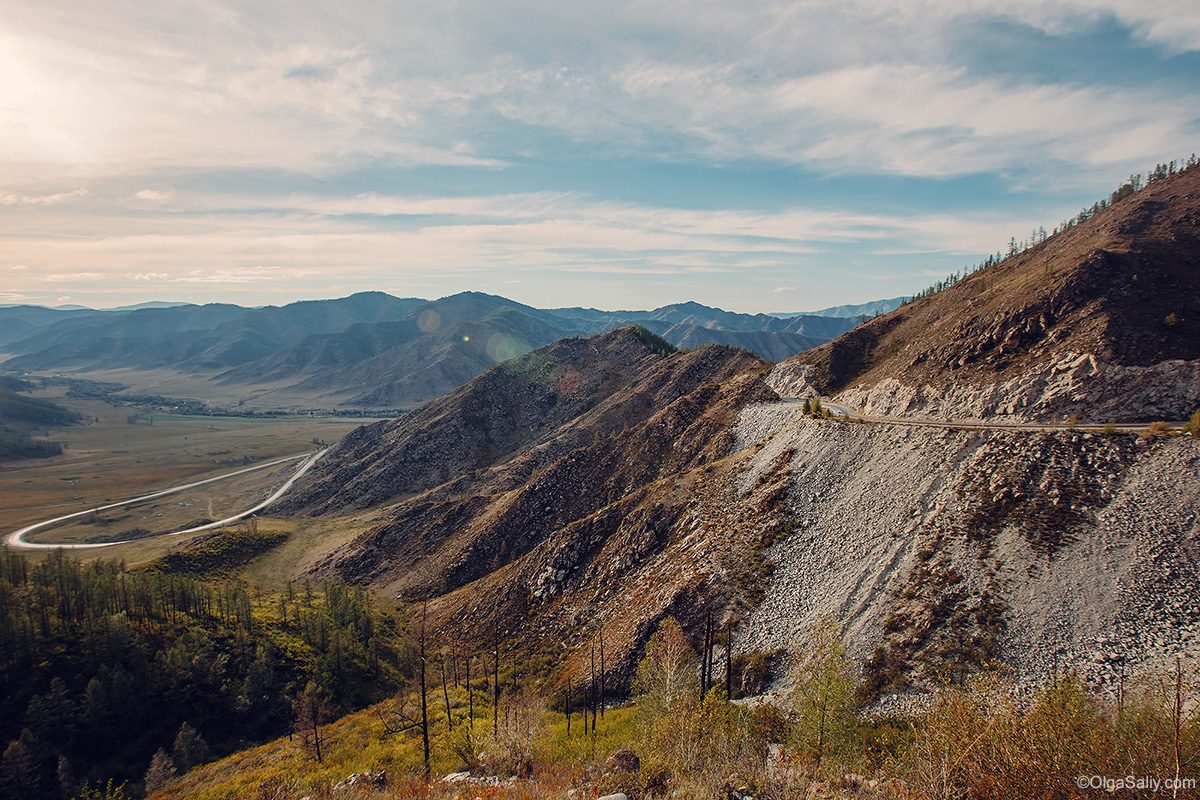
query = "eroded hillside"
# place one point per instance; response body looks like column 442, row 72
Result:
column 943, row 550
column 600, row 484
column 589, row 483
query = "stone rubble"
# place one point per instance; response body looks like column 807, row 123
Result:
column 1117, row 591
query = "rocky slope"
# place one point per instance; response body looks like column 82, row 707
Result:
column 1101, row 321
column 941, row 550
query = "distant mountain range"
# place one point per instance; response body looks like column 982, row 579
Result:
column 872, row 309
column 368, row 349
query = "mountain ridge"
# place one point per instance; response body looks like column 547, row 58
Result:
column 366, row 350
column 1101, row 320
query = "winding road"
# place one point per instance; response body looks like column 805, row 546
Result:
column 853, row 414
column 16, row 539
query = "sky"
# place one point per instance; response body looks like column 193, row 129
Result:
column 752, row 155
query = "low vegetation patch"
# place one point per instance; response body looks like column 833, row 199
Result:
column 220, row 553
column 511, row 738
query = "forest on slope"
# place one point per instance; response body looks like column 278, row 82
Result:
column 102, row 665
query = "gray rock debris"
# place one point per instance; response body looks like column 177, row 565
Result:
column 1119, row 592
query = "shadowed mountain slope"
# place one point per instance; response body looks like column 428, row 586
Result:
column 549, row 478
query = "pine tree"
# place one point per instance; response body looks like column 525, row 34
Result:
column 824, row 695
column 18, row 772
column 190, row 749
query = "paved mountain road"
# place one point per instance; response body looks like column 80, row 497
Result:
column 16, row 539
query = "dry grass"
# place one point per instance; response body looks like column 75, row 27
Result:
column 110, row 460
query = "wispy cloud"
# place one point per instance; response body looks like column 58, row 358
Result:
column 20, row 199
column 262, row 146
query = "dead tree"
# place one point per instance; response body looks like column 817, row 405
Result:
column 729, row 661
column 470, row 697
column 568, row 705
column 706, row 657
column 496, row 693
column 602, row 673
column 446, row 695
column 424, row 689
column 593, row 689
column 313, row 709
column 1177, row 722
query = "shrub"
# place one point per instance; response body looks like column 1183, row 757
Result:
column 1192, row 426
column 1154, row 429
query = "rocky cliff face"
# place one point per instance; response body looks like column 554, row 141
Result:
column 941, row 550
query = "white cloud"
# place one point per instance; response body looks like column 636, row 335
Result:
column 20, row 199
column 153, row 195
column 70, row 277
column 301, row 239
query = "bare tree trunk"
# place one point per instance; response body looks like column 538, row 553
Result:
column 446, row 695
column 592, row 699
column 470, row 697
column 729, row 661
column 568, row 705
column 1177, row 719
column 496, row 694
column 602, row 673
column 712, row 645
column 424, row 691
column 593, row 692
column 316, row 738
column 706, row 657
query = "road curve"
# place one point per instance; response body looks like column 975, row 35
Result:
column 853, row 414
column 16, row 539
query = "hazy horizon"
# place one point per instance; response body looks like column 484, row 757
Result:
column 152, row 302
column 769, row 157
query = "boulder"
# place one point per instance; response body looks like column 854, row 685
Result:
column 623, row 760
column 368, row 780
